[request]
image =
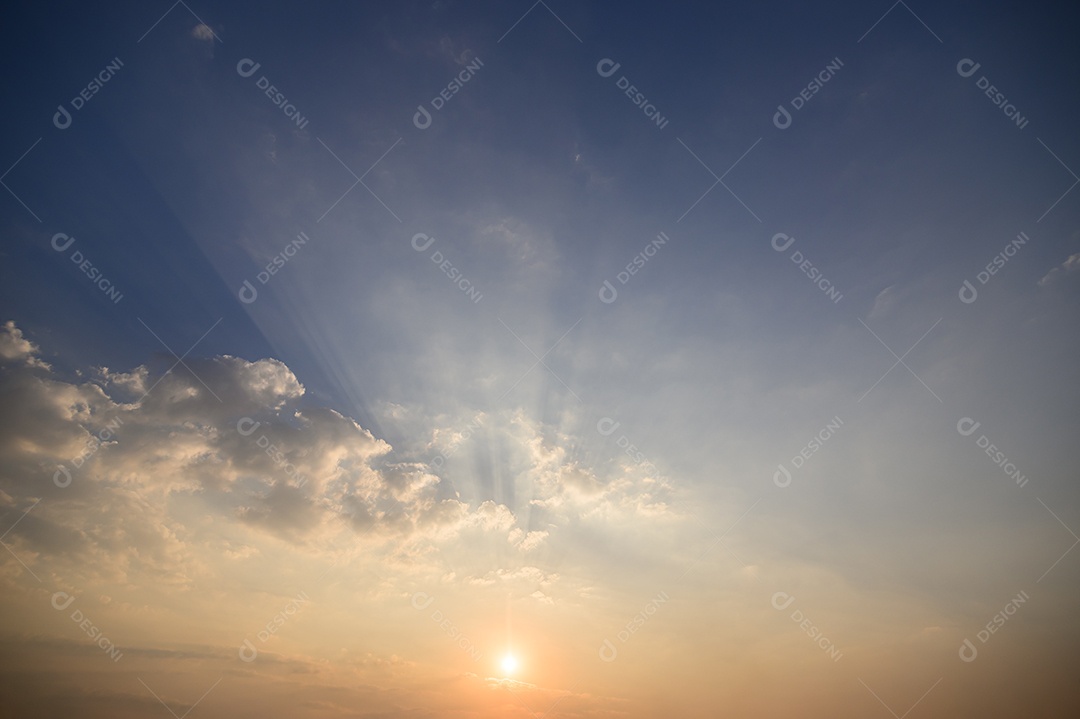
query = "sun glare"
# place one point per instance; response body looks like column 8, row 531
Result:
column 509, row 664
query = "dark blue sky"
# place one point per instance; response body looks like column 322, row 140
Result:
column 149, row 178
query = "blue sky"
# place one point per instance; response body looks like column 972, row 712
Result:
column 772, row 401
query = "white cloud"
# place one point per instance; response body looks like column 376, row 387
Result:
column 14, row 347
column 130, row 463
column 569, row 487
column 884, row 303
column 526, row 541
column 181, row 475
column 202, row 32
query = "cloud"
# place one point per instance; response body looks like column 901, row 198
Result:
column 1071, row 264
column 884, row 303
column 116, row 456
column 15, row 348
column 135, row 468
column 526, row 541
column 527, row 248
column 202, row 32
column 527, row 579
column 566, row 485
column 453, row 50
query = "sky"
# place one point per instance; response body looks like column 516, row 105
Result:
column 440, row 359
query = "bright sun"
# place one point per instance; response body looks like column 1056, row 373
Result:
column 509, row 664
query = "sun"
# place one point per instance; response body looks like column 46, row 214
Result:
column 509, row 664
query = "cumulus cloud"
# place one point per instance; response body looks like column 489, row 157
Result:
column 15, row 348
column 132, row 466
column 526, row 541
column 115, row 456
